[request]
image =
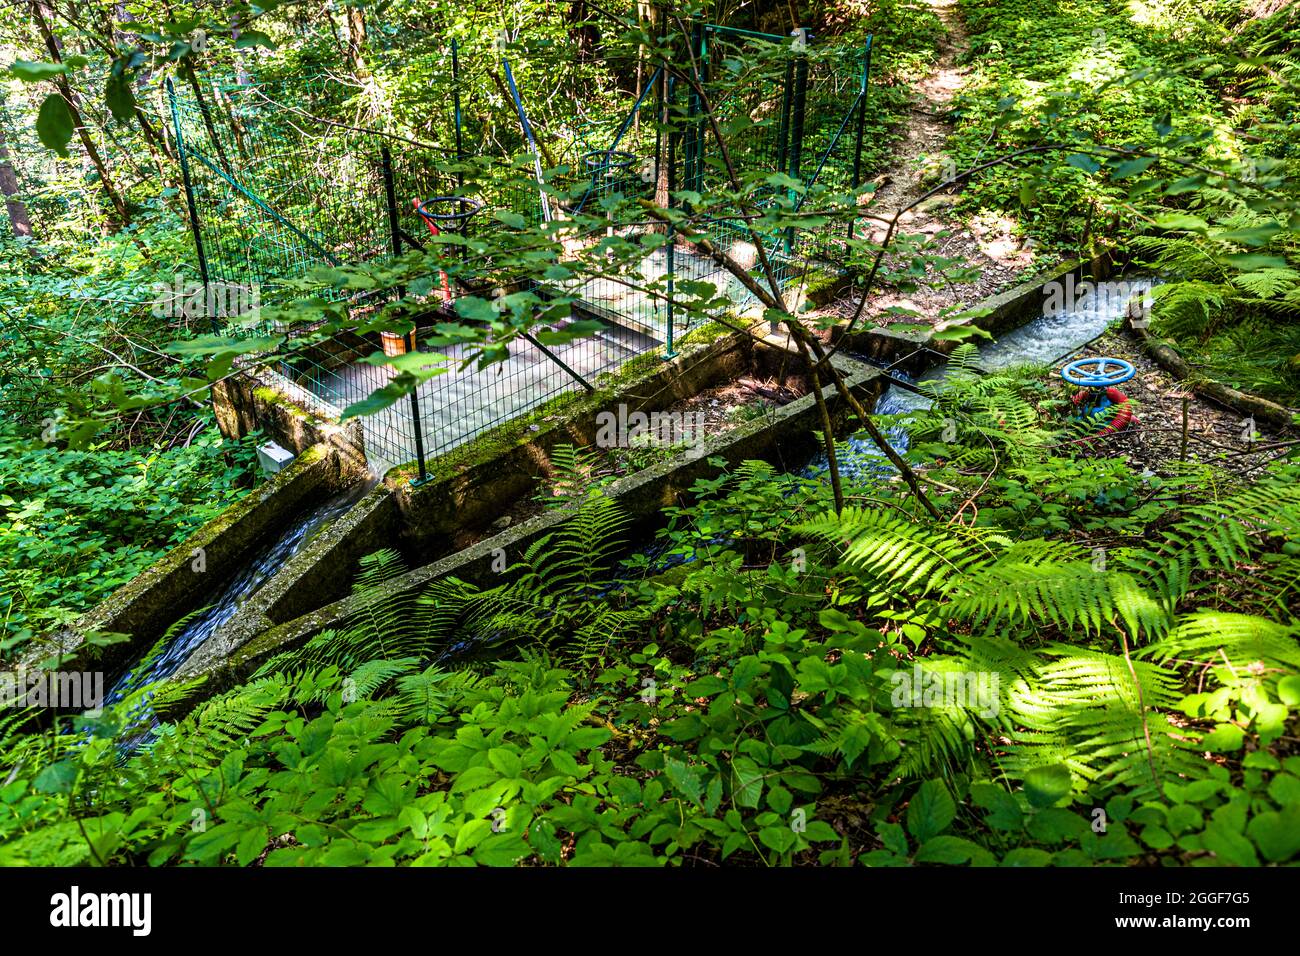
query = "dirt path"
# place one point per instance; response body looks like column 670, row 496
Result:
column 984, row 243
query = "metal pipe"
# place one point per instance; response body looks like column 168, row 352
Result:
column 455, row 89
column 862, row 118
column 528, row 132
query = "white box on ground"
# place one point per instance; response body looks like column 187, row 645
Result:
column 272, row 457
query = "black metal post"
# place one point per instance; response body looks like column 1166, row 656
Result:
column 670, row 263
column 395, row 233
column 390, row 199
column 455, row 92
column 195, row 230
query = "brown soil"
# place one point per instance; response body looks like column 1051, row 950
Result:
column 986, row 243
column 724, row 407
column 1215, row 435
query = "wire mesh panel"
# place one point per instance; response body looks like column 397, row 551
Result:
column 277, row 191
column 791, row 112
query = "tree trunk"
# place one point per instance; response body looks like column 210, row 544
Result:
column 356, row 42
column 40, row 18
column 16, row 208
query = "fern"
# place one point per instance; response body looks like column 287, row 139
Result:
column 1095, row 714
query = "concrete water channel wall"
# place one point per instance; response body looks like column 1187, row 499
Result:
column 468, row 491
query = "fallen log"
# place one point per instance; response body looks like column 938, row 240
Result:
column 1276, row 416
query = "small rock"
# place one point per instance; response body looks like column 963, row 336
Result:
column 502, row 523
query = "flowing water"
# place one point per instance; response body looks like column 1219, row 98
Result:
column 1045, row 340
column 228, row 598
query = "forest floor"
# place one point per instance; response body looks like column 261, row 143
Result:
column 986, row 244
column 1216, row 435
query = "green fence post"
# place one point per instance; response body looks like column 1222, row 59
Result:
column 862, row 118
column 797, row 110
column 395, row 236
column 195, row 230
column 669, row 254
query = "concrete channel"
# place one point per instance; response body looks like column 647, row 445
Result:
column 469, row 489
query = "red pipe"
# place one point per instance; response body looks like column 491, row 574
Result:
column 1124, row 416
column 446, row 286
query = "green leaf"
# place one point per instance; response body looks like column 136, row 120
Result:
column 511, row 219
column 1276, row 834
column 251, row 844
column 56, row 778
column 946, row 849
column 748, row 784
column 1132, row 166
column 1082, row 161
column 120, row 97
column 381, row 398
column 1004, row 811
column 684, row 778
column 54, row 124
column 573, row 330
column 1231, row 848
column 1182, row 221
column 893, row 838
column 1249, row 236
column 1056, row 825
column 778, row 838
column 501, row 849
column 1224, row 738
column 1045, row 786
column 471, row 834
column 930, row 811
column 1288, row 690
column 30, row 72
column 253, row 38
column 1157, row 837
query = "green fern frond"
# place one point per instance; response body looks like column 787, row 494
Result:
column 908, row 555
column 1240, row 640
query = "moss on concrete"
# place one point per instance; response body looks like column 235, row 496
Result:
column 562, row 409
column 785, row 436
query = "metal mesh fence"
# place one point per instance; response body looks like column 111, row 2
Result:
column 276, row 192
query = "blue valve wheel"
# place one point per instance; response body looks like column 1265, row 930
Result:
column 1098, row 372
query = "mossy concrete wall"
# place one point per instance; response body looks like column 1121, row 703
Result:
column 320, row 573
column 784, row 436
column 471, row 486
column 287, row 414
column 490, row 474
column 184, row 579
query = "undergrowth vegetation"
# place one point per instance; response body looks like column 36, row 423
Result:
column 996, row 649
column 1097, row 667
column 1158, row 134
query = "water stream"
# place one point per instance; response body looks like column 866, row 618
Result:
column 236, row 590
column 1051, row 337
